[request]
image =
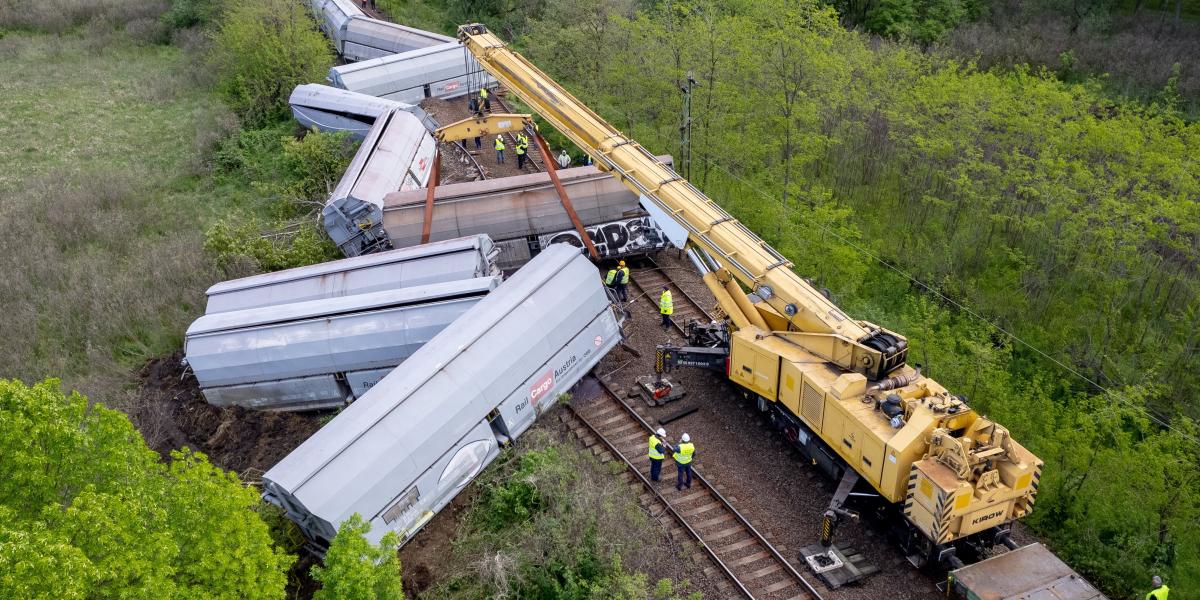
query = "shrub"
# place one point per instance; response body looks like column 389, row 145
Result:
column 88, row 511
column 355, row 569
column 264, row 49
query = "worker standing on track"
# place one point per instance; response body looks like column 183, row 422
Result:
column 657, row 453
column 522, row 147
column 484, row 100
column 1159, row 592
column 618, row 279
column 666, row 306
column 564, row 159
column 683, row 462
column 499, row 150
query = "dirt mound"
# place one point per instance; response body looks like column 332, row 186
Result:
column 173, row 414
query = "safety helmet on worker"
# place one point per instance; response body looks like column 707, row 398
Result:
column 686, row 438
column 661, row 432
column 620, row 263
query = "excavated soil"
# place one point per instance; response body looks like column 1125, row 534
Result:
column 173, row 414
column 739, row 450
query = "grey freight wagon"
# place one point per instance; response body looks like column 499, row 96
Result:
column 320, row 353
column 397, row 154
column 356, row 36
column 523, row 214
column 441, row 71
column 409, row 445
column 455, row 259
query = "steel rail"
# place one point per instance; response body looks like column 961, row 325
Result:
column 716, row 494
column 653, row 490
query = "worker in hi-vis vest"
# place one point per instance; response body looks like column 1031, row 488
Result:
column 683, row 462
column 1160, row 591
column 484, row 100
column 657, row 453
column 521, row 149
column 499, row 150
column 666, row 306
column 617, row 279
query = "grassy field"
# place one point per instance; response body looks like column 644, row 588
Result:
column 103, row 200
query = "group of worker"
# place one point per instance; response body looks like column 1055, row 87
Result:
column 618, row 281
column 522, row 149
column 683, row 454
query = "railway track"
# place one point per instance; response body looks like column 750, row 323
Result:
column 751, row 565
column 648, row 281
column 504, row 107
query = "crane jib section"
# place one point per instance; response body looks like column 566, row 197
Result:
column 748, row 258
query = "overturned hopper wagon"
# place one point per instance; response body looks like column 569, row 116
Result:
column 320, row 353
column 397, row 154
column 444, row 261
column 440, row 71
column 524, row 214
column 366, row 38
column 334, row 110
column 408, row 446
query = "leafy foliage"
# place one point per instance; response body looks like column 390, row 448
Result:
column 550, row 522
column 356, row 569
column 1038, row 204
column 296, row 176
column 264, row 49
column 88, row 511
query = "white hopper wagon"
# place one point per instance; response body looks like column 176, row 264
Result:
column 365, row 38
column 332, row 17
column 332, row 110
column 407, row 447
column 455, row 259
column 320, row 353
column 397, row 154
column 440, row 71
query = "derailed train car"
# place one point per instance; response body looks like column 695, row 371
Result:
column 333, row 110
column 397, row 154
column 422, row 433
column 356, row 36
column 524, row 214
column 320, row 353
column 444, row 261
column 441, row 71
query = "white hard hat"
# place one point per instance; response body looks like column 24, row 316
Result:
column 686, row 438
column 660, row 432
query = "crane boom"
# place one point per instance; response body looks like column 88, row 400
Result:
column 822, row 327
column 837, row 386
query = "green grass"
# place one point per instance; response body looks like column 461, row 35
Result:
column 103, row 198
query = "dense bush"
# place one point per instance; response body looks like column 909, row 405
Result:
column 356, row 569
column 551, row 523
column 88, row 511
column 261, row 51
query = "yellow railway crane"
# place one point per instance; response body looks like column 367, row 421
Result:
column 840, row 385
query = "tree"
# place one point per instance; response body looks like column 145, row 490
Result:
column 356, row 569
column 262, row 50
column 88, row 511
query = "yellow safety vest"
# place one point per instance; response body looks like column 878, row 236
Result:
column 520, row 148
column 654, row 453
column 624, row 275
column 499, row 144
column 665, row 305
column 1159, row 594
column 684, row 455
column 610, row 277
column 483, row 93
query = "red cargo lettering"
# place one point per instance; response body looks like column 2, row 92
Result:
column 541, row 387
